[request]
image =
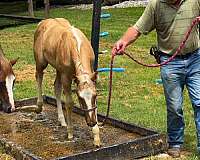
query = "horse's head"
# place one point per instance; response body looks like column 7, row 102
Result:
column 87, row 97
column 7, row 79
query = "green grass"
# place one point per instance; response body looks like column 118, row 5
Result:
column 136, row 96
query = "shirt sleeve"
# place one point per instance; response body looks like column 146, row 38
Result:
column 146, row 22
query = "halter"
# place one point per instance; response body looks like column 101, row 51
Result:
column 88, row 110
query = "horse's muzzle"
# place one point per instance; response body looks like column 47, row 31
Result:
column 7, row 108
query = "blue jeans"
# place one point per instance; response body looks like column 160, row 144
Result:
column 177, row 74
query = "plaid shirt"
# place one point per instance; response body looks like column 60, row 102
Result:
column 171, row 24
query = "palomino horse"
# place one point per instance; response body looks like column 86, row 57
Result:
column 7, row 79
column 68, row 50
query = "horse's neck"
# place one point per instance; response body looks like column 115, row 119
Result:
column 79, row 69
column 82, row 65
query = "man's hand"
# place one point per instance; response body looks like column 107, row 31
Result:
column 129, row 37
column 119, row 47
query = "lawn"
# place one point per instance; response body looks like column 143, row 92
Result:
column 136, row 96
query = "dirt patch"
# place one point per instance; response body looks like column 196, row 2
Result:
column 6, row 157
column 165, row 156
column 28, row 73
column 41, row 134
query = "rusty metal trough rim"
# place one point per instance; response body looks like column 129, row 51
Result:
column 24, row 18
column 17, row 151
column 134, row 148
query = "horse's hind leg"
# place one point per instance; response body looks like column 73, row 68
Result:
column 39, row 78
column 57, row 91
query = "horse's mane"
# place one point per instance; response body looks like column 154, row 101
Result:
column 72, row 47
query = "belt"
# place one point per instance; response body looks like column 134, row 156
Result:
column 185, row 56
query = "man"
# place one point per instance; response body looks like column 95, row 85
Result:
column 171, row 20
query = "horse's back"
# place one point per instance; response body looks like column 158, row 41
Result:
column 49, row 42
column 56, row 42
column 46, row 24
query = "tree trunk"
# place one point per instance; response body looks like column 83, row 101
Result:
column 30, row 8
column 47, row 7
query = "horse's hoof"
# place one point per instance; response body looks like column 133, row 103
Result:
column 97, row 144
column 13, row 109
column 70, row 140
column 38, row 110
column 70, row 136
column 62, row 124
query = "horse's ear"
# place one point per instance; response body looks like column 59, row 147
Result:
column 93, row 77
column 12, row 62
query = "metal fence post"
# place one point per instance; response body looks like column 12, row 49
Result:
column 96, row 30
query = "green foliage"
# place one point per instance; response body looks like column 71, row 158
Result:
column 136, row 96
column 13, row 7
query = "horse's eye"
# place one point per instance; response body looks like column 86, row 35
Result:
column 2, row 84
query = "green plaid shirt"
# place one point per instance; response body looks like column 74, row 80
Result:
column 171, row 24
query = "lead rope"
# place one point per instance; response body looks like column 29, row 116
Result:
column 181, row 46
column 110, row 90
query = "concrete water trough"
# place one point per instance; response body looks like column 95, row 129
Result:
column 27, row 135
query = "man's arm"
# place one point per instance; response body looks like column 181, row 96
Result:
column 129, row 37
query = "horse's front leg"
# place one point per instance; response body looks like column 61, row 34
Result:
column 95, row 131
column 57, row 91
column 68, row 105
